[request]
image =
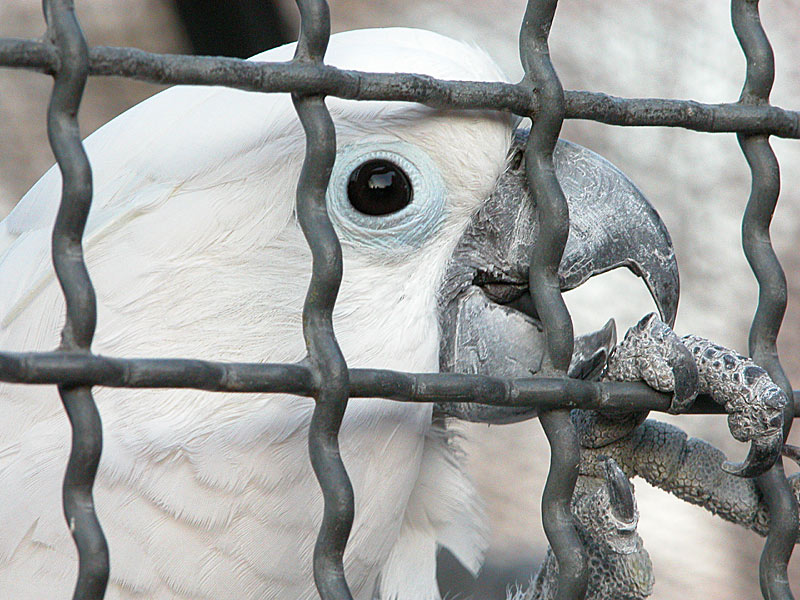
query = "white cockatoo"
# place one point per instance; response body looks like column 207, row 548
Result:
column 194, row 249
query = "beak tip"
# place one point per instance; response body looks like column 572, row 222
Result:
column 668, row 303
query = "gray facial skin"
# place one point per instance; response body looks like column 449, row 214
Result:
column 488, row 323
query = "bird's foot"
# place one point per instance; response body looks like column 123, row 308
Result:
column 652, row 352
column 754, row 403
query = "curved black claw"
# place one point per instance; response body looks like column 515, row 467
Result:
column 764, row 451
column 623, row 503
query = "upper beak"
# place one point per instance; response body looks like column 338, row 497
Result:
column 487, row 320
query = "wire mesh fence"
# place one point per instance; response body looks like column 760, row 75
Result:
column 324, row 375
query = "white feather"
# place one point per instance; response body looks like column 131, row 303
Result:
column 194, row 251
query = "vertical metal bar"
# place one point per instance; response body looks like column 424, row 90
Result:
column 553, row 215
column 87, row 441
column 324, row 355
column 758, row 249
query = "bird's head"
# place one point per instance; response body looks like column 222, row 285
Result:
column 435, row 207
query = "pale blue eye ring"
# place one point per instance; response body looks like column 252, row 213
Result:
column 404, row 229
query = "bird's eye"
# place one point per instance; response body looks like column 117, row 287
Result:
column 379, row 187
column 386, row 195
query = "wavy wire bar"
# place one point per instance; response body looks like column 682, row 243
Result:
column 324, row 356
column 773, row 575
column 87, row 434
column 324, row 374
column 551, row 206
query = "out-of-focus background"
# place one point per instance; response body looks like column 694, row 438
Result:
column 698, row 182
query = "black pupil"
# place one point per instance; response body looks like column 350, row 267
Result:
column 379, row 187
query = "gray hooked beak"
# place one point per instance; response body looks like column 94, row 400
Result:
column 488, row 323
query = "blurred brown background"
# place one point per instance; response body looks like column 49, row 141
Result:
column 698, row 182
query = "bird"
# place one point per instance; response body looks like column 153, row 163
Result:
column 195, row 251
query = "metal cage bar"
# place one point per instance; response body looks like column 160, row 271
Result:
column 81, row 317
column 353, row 85
column 544, row 393
column 324, row 374
column 325, row 359
column 778, row 547
column 553, row 216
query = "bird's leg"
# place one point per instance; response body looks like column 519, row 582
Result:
column 606, row 517
column 691, row 469
column 603, row 504
column 616, row 447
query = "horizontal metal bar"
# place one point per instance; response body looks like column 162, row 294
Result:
column 688, row 114
column 29, row 54
column 300, row 79
column 84, row 369
column 311, row 79
column 544, row 392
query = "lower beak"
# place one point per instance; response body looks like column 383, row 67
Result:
column 487, row 321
